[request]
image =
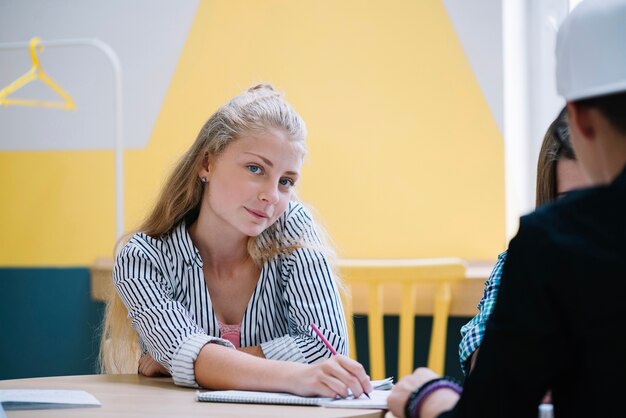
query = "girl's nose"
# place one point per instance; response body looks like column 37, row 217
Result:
column 269, row 194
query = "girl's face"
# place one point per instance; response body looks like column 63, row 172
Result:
column 250, row 184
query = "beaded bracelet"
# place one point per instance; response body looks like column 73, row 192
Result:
column 409, row 407
column 411, row 410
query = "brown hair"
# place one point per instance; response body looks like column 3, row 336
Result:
column 555, row 146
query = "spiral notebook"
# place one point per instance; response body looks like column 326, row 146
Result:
column 248, row 396
column 378, row 397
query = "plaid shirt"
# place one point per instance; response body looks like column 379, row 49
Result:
column 473, row 332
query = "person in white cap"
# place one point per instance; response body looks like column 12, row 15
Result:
column 559, row 315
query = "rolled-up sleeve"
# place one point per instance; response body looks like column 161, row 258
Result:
column 283, row 348
column 165, row 327
column 311, row 296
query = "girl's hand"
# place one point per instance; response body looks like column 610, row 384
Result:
column 150, row 367
column 331, row 378
column 253, row 351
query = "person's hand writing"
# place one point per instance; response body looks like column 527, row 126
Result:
column 150, row 367
column 332, row 377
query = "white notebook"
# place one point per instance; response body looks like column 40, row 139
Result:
column 377, row 400
column 46, row 399
column 378, row 397
column 248, row 396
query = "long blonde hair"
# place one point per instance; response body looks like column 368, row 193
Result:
column 259, row 108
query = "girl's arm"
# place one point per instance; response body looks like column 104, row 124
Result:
column 473, row 332
column 309, row 295
column 219, row 367
column 170, row 335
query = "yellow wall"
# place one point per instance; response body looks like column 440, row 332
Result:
column 405, row 159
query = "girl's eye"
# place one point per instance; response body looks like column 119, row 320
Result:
column 254, row 169
column 286, row 182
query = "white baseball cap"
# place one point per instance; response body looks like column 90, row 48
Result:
column 591, row 50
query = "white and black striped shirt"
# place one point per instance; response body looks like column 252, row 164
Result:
column 161, row 283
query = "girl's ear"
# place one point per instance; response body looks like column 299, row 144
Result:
column 205, row 166
column 206, row 161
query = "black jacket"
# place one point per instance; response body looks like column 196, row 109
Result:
column 559, row 318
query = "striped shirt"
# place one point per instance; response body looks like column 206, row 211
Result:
column 473, row 332
column 162, row 285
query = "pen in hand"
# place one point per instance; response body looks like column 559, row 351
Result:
column 327, row 344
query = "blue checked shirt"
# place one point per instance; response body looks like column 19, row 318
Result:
column 473, row 332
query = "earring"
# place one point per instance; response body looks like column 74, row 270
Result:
column 203, row 180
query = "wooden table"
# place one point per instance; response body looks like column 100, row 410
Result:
column 131, row 395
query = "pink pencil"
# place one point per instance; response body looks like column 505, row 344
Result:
column 324, row 340
column 327, row 344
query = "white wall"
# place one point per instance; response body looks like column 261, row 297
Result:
column 510, row 46
column 530, row 99
column 147, row 35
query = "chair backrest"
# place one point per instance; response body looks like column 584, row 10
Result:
column 376, row 275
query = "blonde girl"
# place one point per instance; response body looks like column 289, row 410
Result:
column 228, row 272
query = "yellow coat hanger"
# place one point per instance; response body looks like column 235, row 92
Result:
column 36, row 73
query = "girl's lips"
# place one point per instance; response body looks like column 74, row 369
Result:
column 257, row 214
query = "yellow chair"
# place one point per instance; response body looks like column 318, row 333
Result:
column 408, row 274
